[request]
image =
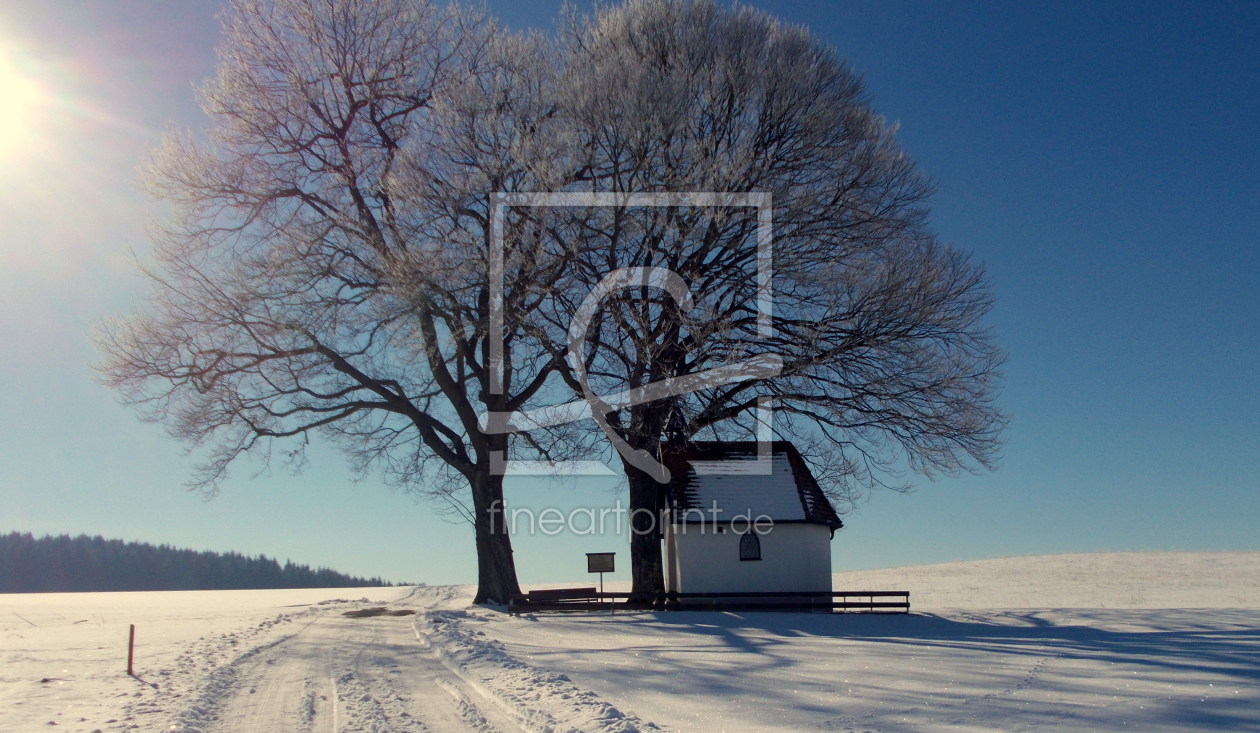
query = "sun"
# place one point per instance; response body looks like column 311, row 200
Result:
column 19, row 97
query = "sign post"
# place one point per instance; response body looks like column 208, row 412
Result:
column 600, row 562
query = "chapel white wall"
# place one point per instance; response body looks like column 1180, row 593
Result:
column 794, row 557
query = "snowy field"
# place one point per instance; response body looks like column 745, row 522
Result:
column 1128, row 641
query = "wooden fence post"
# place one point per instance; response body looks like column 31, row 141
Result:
column 131, row 651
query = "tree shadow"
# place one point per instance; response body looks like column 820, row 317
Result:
column 1215, row 642
column 992, row 657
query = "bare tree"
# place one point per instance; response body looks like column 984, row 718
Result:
column 334, row 267
column 880, row 355
column 326, row 269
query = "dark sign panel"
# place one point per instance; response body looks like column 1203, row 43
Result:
column 599, row 562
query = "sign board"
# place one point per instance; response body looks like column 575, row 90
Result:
column 599, row 562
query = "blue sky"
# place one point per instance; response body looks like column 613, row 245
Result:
column 1101, row 159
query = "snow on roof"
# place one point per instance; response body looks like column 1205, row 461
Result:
column 720, row 482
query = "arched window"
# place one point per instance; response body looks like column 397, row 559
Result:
column 749, row 546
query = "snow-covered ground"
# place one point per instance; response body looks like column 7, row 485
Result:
column 1126, row 641
column 63, row 656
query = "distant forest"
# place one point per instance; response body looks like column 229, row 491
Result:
column 55, row 564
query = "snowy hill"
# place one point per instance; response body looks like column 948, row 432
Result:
column 1141, row 641
column 1101, row 580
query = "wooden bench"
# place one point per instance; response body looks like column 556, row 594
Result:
column 562, row 599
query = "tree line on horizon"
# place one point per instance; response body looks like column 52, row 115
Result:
column 55, row 564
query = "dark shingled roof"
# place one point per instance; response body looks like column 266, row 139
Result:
column 726, row 475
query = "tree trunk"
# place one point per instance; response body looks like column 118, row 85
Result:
column 647, row 569
column 496, row 567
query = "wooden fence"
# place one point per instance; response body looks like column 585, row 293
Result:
column 589, row 599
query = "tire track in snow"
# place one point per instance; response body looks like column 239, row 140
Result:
column 369, row 675
column 221, row 674
column 344, row 675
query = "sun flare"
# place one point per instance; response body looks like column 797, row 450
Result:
column 19, row 97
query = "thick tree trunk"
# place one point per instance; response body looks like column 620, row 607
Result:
column 647, row 569
column 496, row 567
